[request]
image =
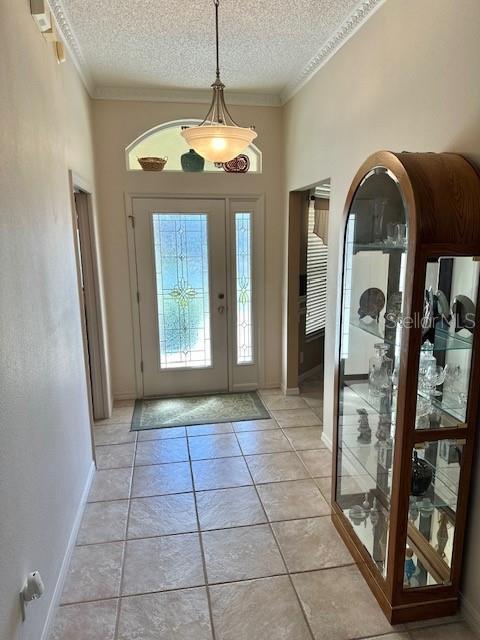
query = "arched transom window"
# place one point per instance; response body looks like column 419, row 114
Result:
column 165, row 141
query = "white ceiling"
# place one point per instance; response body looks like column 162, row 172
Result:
column 266, row 46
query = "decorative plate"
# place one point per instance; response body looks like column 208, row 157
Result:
column 371, row 303
column 240, row 164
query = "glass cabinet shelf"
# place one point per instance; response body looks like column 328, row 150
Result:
column 378, row 246
column 444, row 340
column 450, row 417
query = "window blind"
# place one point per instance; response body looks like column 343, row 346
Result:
column 317, row 255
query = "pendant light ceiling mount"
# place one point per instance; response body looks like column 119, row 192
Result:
column 218, row 138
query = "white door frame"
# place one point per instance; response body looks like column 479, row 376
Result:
column 91, row 301
column 258, row 202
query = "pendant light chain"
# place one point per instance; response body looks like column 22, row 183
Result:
column 218, row 138
column 216, row 3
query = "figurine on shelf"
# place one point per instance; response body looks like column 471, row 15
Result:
column 374, row 513
column 366, row 504
column 380, row 369
column 410, row 566
column 442, row 534
column 383, row 430
column 364, row 431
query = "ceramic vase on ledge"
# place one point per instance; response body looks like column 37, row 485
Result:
column 192, row 161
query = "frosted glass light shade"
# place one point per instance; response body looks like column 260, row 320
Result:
column 218, row 143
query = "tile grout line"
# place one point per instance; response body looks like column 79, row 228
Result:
column 202, row 550
column 119, row 607
column 279, row 550
column 180, row 533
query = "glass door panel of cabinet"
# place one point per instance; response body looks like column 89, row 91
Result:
column 448, row 323
column 432, row 512
column 372, row 310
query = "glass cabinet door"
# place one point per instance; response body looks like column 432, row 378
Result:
column 448, row 323
column 370, row 346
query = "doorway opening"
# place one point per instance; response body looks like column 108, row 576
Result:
column 88, row 272
column 307, row 287
column 196, row 274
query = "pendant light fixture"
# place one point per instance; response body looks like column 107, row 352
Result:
column 218, row 138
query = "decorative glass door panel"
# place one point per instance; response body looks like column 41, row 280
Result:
column 371, row 334
column 183, row 297
column 181, row 267
column 243, row 285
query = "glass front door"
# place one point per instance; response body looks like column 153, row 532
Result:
column 182, row 280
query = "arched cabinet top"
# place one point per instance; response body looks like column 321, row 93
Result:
column 441, row 195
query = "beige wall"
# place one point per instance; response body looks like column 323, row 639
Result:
column 45, row 448
column 116, row 125
column 408, row 80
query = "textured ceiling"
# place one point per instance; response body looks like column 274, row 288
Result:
column 150, row 44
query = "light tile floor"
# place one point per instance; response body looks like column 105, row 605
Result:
column 219, row 532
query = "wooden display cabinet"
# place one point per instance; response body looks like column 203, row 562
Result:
column 408, row 377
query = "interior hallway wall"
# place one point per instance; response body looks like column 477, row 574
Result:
column 45, row 446
column 407, row 80
column 116, row 125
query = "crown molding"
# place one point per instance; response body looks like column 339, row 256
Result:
column 72, row 44
column 198, row 96
column 364, row 10
column 350, row 26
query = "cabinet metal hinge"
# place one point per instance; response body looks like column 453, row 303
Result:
column 132, row 221
column 141, row 366
column 138, row 297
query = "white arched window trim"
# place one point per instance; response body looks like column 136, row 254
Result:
column 176, row 124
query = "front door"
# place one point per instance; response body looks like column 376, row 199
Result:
column 180, row 248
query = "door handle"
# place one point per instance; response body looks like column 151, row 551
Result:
column 220, row 309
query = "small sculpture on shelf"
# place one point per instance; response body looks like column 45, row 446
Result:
column 380, row 370
column 442, row 534
column 384, row 420
column 364, row 431
column 410, row 566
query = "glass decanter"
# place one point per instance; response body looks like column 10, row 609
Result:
column 380, row 370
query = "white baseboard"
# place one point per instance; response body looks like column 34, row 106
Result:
column 236, row 388
column 124, row 396
column 327, row 441
column 290, row 391
column 68, row 555
column 470, row 613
